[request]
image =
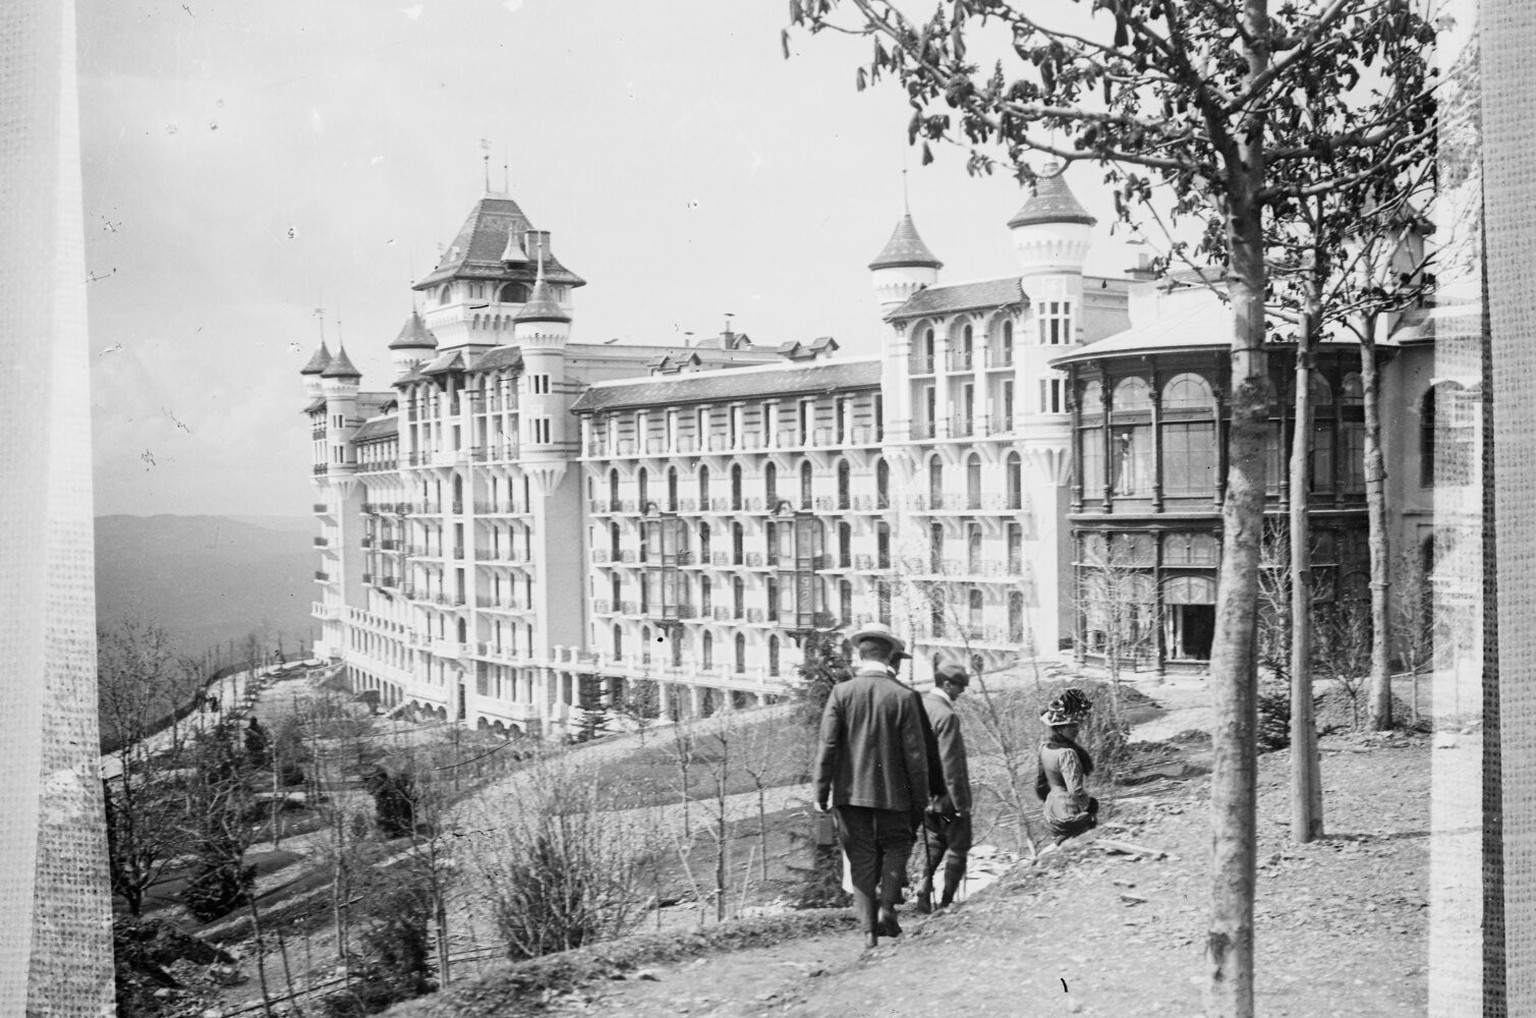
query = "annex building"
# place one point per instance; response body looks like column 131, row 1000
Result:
column 518, row 522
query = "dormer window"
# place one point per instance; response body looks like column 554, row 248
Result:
column 513, row 293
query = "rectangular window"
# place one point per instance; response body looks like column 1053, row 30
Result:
column 1322, row 456
column 1056, row 323
column 1189, row 458
column 1352, row 466
column 1092, row 442
column 1053, row 395
column 1131, row 468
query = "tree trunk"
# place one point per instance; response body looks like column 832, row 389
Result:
column 1229, row 945
column 1376, row 515
column 1306, row 816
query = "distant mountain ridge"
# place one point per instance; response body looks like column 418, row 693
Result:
column 208, row 579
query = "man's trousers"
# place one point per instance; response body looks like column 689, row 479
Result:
column 877, row 842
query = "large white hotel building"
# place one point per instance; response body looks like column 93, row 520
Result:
column 521, row 521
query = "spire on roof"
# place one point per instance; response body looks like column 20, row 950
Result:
column 541, row 305
column 318, row 362
column 905, row 248
column 340, row 366
column 414, row 335
column 1052, row 202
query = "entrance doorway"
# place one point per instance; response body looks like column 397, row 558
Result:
column 1191, row 628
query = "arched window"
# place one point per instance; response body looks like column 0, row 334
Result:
column 618, row 642
column 677, row 651
column 973, row 481
column 741, row 653
column 773, row 655
column 773, row 600
column 1351, row 389
column 613, row 491
column 1132, row 393
column 703, row 489
column 935, row 482
column 1187, row 392
column 805, row 484
column 1014, row 478
column 513, row 293
column 927, row 351
column 1015, row 617
column 738, row 597
column 1007, row 358
column 845, row 601
column 644, row 485
column 936, row 548
column 844, row 485
column 967, row 336
column 736, row 488
column 738, row 544
column 882, row 485
column 703, row 544
column 771, row 487
column 771, row 542
column 709, row 650
column 672, row 489
column 883, row 544
column 706, row 595
column 613, row 542
column 936, row 607
column 445, row 294
column 973, row 549
column 616, row 588
column 976, row 607
column 1321, row 391
column 883, row 601
column 844, row 545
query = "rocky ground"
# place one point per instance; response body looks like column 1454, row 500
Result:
column 1341, row 923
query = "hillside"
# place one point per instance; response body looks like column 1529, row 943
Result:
column 207, row 579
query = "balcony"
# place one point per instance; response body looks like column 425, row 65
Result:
column 1000, row 424
column 447, row 648
column 389, row 544
column 724, row 614
column 961, row 426
column 922, row 366
column 754, row 560
column 960, row 360
column 319, row 469
column 367, row 541
column 599, row 556
column 449, row 600
column 321, row 610
column 997, row 359
column 863, row 562
column 389, row 581
column 755, row 616
column 924, row 429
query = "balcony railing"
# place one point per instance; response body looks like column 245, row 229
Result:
column 924, row 429
column 961, row 426
column 999, row 358
column 960, row 360
column 754, row 559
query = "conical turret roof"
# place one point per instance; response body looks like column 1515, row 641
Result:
column 541, row 306
column 340, row 366
column 414, row 335
column 1052, row 202
column 905, row 248
column 318, row 362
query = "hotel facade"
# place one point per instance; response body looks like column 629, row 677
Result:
column 522, row 523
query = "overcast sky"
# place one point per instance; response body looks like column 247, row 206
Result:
column 246, row 163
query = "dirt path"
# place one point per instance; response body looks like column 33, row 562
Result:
column 1342, row 923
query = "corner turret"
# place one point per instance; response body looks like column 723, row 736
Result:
column 1051, row 231
column 903, row 266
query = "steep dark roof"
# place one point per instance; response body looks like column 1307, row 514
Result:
column 905, row 248
column 414, row 335
column 340, row 366
column 499, row 357
column 476, row 250
column 318, row 362
column 729, row 384
column 541, row 306
column 318, row 404
column 376, row 429
column 1052, row 202
column 991, row 293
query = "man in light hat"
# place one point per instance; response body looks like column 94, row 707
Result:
column 872, row 767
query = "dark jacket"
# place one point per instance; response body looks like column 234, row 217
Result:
column 872, row 752
column 956, row 797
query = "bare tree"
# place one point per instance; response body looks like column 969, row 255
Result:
column 761, row 754
column 142, row 683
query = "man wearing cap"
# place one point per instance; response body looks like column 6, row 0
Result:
column 872, row 767
column 947, row 823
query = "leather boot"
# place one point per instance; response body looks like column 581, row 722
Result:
column 953, row 877
column 925, row 895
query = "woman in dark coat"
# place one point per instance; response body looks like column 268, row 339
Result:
column 1062, row 781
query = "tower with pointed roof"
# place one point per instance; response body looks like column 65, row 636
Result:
column 1051, row 231
column 487, row 273
column 311, row 371
column 903, row 266
column 414, row 344
column 541, row 330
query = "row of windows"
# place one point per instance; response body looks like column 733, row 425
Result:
column 1053, row 321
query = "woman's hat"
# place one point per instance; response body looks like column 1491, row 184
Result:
column 1069, row 707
